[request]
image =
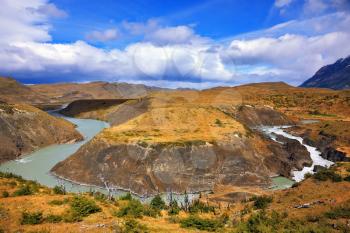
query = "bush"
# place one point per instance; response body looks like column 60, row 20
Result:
column 59, row 190
column 134, row 208
column 53, row 218
column 126, row 197
column 5, row 194
column 81, row 206
column 58, row 202
column 339, row 212
column 11, row 175
column 198, row 206
column 31, row 218
column 158, row 203
column 347, row 178
column 327, row 174
column 98, row 196
column 133, row 226
column 174, row 208
column 23, row 191
column 151, row 211
column 201, row 223
column 261, row 202
column 218, row 123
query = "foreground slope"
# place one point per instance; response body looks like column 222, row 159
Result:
column 26, row 206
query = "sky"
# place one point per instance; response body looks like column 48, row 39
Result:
column 189, row 44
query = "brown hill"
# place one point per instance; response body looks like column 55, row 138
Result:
column 24, row 129
column 68, row 92
column 14, row 92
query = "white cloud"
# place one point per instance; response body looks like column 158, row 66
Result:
column 106, row 35
column 170, row 56
column 282, row 3
column 51, row 10
column 174, row 35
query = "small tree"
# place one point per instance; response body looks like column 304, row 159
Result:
column 158, row 203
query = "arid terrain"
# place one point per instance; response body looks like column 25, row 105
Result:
column 182, row 141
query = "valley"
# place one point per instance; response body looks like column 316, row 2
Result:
column 226, row 145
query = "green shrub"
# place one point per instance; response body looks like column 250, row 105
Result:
column 11, row 175
column 174, row 208
column 126, row 197
column 198, row 206
column 151, row 211
column 347, row 178
column 59, row 190
column 218, row 123
column 262, row 223
column 98, row 196
column 327, row 174
column 23, row 191
column 71, row 216
column 261, row 202
column 81, row 206
column 339, row 212
column 201, row 223
column 158, row 203
column 53, row 218
column 31, row 218
column 58, row 202
column 5, row 194
column 133, row 226
column 308, row 175
column 134, row 208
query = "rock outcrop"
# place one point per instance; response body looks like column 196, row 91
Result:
column 191, row 167
column 24, row 129
column 334, row 76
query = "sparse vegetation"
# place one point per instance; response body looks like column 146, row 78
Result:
column 158, row 203
column 134, row 208
column 200, row 207
column 133, row 226
column 32, row 218
column 5, row 194
column 59, row 190
column 261, row 202
column 339, row 212
column 53, row 218
column 327, row 174
column 23, row 191
column 203, row 224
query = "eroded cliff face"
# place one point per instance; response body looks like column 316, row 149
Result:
column 184, row 144
column 24, row 129
column 192, row 166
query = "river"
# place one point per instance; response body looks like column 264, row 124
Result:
column 37, row 165
column 314, row 153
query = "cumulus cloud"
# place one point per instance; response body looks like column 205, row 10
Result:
column 282, row 3
column 51, row 10
column 170, row 56
column 174, row 35
column 106, row 35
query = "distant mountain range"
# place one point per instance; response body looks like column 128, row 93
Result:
column 335, row 76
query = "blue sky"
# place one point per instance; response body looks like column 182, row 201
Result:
column 171, row 43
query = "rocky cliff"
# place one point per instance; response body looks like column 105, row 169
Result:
column 334, row 76
column 24, row 129
column 183, row 142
